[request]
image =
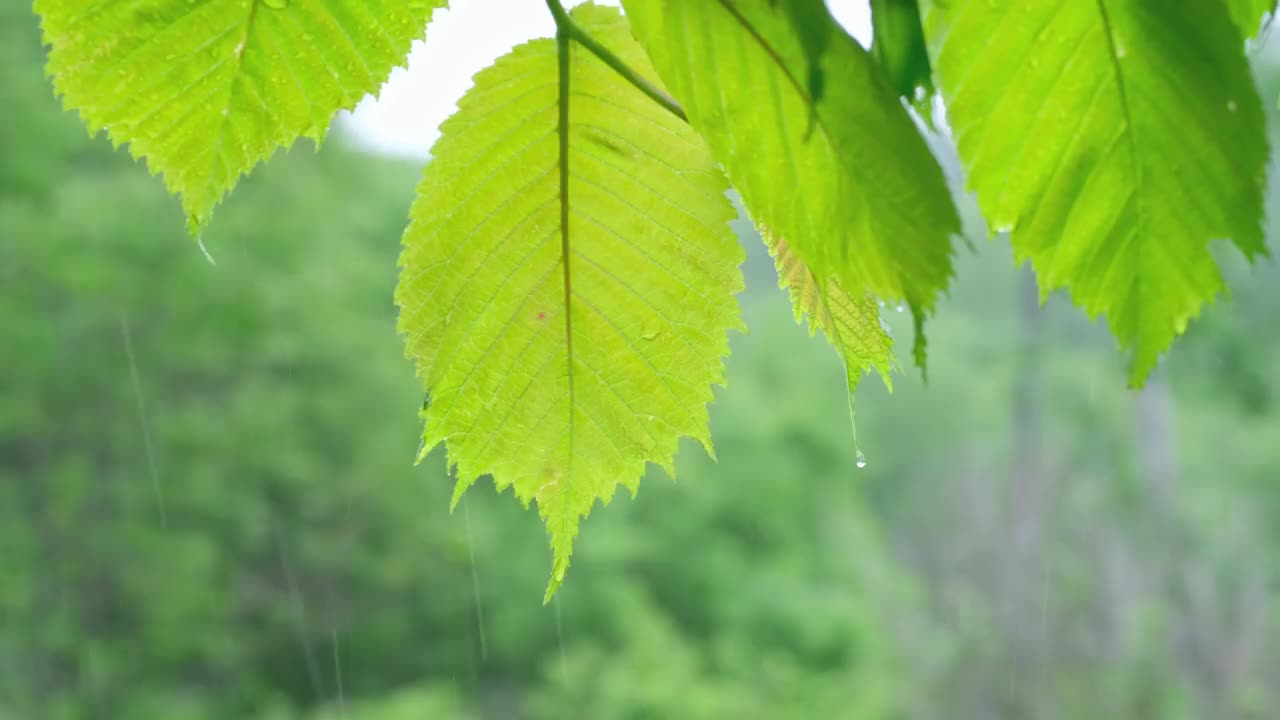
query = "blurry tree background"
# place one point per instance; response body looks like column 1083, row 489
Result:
column 208, row 508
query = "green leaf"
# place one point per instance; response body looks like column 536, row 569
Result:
column 205, row 89
column 851, row 323
column 560, row 358
column 820, row 147
column 1248, row 14
column 1115, row 139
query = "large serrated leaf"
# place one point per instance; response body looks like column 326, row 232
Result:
column 205, row 89
column 562, row 358
column 1115, row 139
column 820, row 147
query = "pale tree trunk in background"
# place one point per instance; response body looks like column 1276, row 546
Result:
column 1194, row 603
column 1023, row 582
column 1220, row 630
column 1244, row 655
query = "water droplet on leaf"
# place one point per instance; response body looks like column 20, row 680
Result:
column 862, row 460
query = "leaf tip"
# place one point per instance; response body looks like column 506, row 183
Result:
column 1140, row 368
column 886, row 376
column 920, row 349
column 459, row 489
column 558, row 570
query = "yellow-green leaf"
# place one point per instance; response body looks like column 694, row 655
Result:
column 560, row 358
column 205, row 89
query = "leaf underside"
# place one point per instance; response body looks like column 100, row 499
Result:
column 562, row 376
column 850, row 323
column 820, row 147
column 206, row 89
column 1115, row 139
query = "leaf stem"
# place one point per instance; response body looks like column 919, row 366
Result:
column 566, row 25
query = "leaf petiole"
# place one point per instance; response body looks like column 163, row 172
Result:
column 565, row 24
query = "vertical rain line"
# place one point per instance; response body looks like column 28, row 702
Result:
column 337, row 673
column 475, row 581
column 564, row 659
column 300, row 616
column 142, row 419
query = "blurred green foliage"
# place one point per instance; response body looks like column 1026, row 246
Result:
column 208, row 507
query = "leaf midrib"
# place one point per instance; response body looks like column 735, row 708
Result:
column 225, row 115
column 1135, row 165
column 563, row 42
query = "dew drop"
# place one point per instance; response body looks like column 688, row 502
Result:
column 276, row 4
column 649, row 332
column 1231, row 106
column 862, row 460
column 900, row 307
